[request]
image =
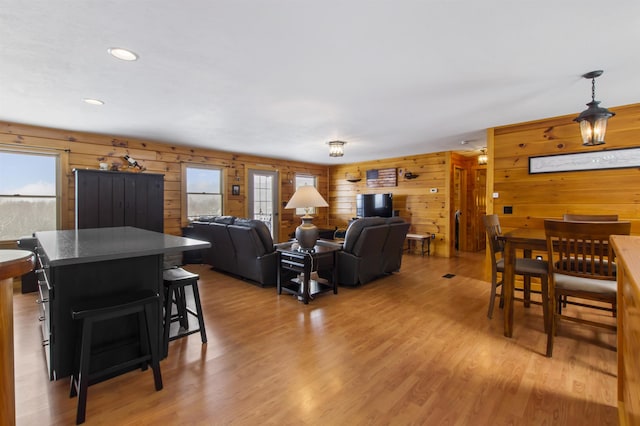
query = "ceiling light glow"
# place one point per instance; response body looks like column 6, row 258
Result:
column 122, row 54
column 92, row 101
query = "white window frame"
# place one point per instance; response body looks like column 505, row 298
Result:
column 302, row 180
column 58, row 187
column 187, row 193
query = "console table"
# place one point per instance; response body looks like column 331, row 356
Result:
column 83, row 264
column 321, row 258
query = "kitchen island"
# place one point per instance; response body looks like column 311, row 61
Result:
column 79, row 265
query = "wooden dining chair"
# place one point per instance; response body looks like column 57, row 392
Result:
column 581, row 264
column 588, row 218
column 523, row 266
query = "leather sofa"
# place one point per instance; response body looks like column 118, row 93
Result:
column 372, row 248
column 242, row 247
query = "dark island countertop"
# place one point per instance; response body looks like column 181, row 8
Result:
column 70, row 247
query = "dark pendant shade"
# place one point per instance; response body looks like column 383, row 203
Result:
column 593, row 120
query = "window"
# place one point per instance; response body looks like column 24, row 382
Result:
column 302, row 180
column 28, row 194
column 204, row 192
column 263, row 196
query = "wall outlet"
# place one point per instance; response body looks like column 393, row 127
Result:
column 433, row 236
column 433, row 190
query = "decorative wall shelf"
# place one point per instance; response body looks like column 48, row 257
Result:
column 353, row 177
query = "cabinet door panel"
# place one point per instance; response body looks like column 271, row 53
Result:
column 105, row 197
column 155, row 203
column 87, row 200
column 130, row 188
column 141, row 202
column 117, row 201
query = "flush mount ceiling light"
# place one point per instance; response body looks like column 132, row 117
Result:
column 593, row 120
column 92, row 101
column 336, row 148
column 122, row 54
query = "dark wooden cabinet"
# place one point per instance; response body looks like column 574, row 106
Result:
column 107, row 199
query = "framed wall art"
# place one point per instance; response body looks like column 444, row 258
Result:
column 580, row 161
column 382, row 178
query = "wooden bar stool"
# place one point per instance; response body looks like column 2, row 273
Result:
column 89, row 313
column 175, row 282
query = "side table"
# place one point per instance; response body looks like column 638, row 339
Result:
column 322, row 258
column 422, row 239
column 13, row 263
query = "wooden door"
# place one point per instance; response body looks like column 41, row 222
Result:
column 479, row 209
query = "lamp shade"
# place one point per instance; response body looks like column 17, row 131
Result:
column 305, row 197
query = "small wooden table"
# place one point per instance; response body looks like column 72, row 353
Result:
column 521, row 238
column 323, row 257
column 13, row 263
column 422, row 238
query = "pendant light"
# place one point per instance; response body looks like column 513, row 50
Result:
column 593, row 120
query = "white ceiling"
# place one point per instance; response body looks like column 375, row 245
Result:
column 280, row 78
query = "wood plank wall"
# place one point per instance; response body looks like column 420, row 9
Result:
column 87, row 150
column 539, row 196
column 428, row 213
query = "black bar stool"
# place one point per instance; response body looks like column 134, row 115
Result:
column 89, row 313
column 175, row 281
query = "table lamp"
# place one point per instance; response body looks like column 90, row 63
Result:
column 306, row 197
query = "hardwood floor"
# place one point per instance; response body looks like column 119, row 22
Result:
column 411, row 348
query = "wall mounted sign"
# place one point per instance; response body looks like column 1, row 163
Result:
column 381, row 178
column 608, row 159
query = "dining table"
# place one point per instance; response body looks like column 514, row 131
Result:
column 527, row 240
column 13, row 263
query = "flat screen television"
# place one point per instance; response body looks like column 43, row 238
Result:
column 368, row 205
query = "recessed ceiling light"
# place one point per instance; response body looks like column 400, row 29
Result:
column 123, row 54
column 91, row 101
